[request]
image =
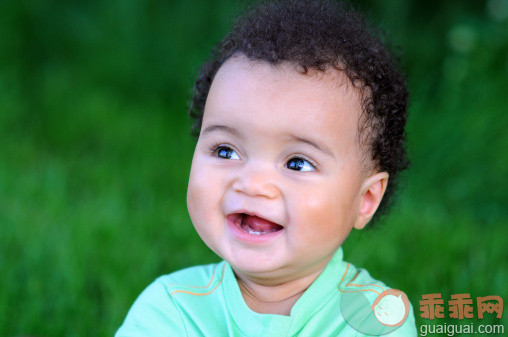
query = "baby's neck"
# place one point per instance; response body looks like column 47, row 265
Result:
column 265, row 298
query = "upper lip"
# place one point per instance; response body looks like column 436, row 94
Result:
column 259, row 215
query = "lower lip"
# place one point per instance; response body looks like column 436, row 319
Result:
column 242, row 235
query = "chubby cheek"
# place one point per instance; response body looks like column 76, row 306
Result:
column 323, row 216
column 203, row 199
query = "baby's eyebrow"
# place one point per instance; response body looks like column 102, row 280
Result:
column 314, row 143
column 227, row 129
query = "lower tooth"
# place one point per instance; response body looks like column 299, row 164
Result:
column 253, row 232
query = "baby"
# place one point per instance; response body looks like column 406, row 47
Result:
column 300, row 119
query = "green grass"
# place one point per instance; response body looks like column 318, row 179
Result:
column 95, row 156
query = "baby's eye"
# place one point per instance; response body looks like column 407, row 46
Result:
column 225, row 152
column 300, row 164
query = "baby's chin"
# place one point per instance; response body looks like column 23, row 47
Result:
column 260, row 267
column 270, row 274
column 270, row 270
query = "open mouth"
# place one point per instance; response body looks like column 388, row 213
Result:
column 255, row 225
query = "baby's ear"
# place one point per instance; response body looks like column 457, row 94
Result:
column 372, row 191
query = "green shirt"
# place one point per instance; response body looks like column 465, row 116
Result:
column 206, row 301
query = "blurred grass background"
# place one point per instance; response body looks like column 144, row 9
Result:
column 95, row 155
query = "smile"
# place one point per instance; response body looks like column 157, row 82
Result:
column 253, row 228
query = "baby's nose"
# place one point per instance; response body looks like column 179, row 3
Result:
column 256, row 182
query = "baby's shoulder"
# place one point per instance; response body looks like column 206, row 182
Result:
column 160, row 311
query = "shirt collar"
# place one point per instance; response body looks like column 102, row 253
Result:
column 311, row 301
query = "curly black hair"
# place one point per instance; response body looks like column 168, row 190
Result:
column 319, row 34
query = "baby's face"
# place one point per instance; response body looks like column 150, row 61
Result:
column 275, row 184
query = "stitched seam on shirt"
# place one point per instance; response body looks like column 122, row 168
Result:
column 201, row 294
column 233, row 318
column 179, row 312
column 358, row 285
